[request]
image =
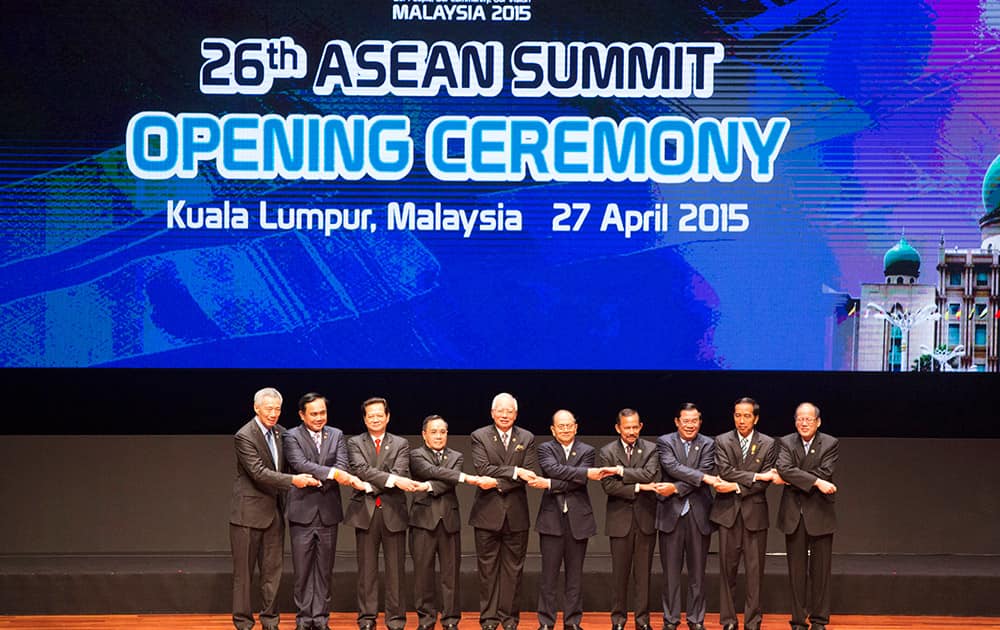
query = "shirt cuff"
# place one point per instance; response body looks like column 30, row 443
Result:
column 391, row 482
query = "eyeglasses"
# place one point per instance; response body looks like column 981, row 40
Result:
column 806, row 419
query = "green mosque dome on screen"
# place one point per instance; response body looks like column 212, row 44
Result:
column 902, row 260
column 991, row 193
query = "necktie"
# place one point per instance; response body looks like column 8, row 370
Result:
column 687, row 503
column 745, row 446
column 806, row 446
column 628, row 453
column 318, row 438
column 378, row 447
column 439, row 455
column 505, row 438
column 269, row 438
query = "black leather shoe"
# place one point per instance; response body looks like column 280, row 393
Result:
column 366, row 626
column 644, row 626
column 730, row 626
column 428, row 627
column 670, row 626
column 817, row 627
column 696, row 626
column 544, row 627
column 450, row 626
column 617, row 626
column 572, row 627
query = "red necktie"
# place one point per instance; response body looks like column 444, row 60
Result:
column 378, row 447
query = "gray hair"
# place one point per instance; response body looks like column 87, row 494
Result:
column 503, row 396
column 267, row 392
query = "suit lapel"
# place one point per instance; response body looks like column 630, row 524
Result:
column 754, row 449
column 325, row 444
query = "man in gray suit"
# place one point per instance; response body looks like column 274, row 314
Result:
column 631, row 516
column 744, row 460
column 500, row 515
column 687, row 459
column 313, row 513
column 807, row 460
column 378, row 513
column 435, row 525
column 565, row 519
column 256, row 515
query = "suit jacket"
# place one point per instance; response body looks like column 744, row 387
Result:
column 393, row 459
column 508, row 500
column 685, row 472
column 800, row 499
column 300, row 451
column 440, row 505
column 751, row 501
column 624, row 502
column 568, row 478
column 259, row 488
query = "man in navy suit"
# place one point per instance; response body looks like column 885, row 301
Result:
column 256, row 512
column 314, row 512
column 378, row 514
column 435, row 525
column 687, row 460
column 807, row 460
column 565, row 519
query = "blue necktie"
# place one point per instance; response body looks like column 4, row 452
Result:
column 269, row 438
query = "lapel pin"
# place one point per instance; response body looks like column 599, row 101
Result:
column 813, row 451
column 639, row 451
column 572, row 453
column 696, row 448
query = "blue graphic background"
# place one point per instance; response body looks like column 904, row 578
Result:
column 894, row 121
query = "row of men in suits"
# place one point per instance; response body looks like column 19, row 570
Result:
column 653, row 489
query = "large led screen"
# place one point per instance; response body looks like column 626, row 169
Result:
column 505, row 184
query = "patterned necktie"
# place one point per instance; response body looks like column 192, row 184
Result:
column 505, row 438
column 318, row 438
column 628, row 453
column 687, row 503
column 439, row 455
column 269, row 438
column 745, row 446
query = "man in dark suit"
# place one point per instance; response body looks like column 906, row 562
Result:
column 500, row 515
column 435, row 525
column 313, row 513
column 744, row 461
column 256, row 515
column 806, row 462
column 565, row 519
column 631, row 516
column 686, row 461
column 378, row 514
